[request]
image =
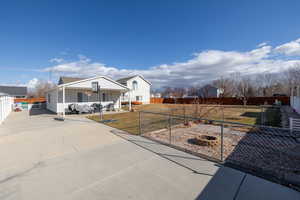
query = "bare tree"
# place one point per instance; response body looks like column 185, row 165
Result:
column 193, row 91
column 178, row 92
column 41, row 88
column 244, row 88
column 173, row 92
column 266, row 84
column 291, row 78
column 226, row 85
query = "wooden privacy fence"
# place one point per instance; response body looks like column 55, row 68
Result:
column 30, row 100
column 157, row 100
column 223, row 101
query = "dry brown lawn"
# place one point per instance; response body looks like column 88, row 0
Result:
column 129, row 121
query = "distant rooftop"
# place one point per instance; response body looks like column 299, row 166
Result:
column 64, row 80
column 13, row 90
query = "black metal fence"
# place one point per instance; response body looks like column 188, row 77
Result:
column 262, row 150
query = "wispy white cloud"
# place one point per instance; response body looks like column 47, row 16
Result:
column 204, row 66
column 56, row 60
column 290, row 49
column 262, row 44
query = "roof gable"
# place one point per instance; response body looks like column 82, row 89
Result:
column 123, row 80
column 86, row 83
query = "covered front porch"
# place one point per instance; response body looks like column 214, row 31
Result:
column 80, row 96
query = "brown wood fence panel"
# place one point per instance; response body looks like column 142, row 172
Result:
column 224, row 101
column 156, row 100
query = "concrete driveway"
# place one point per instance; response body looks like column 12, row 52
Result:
column 41, row 158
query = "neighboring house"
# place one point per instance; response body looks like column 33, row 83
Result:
column 209, row 91
column 139, row 89
column 14, row 91
column 79, row 91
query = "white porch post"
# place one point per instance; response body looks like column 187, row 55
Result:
column 57, row 103
column 120, row 99
column 63, row 102
column 129, row 100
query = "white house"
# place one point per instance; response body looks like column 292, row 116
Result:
column 79, row 91
column 139, row 89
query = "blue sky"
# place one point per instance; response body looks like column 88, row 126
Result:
column 169, row 42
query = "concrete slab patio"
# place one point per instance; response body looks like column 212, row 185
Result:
column 79, row 159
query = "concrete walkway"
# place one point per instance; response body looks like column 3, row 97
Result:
column 78, row 159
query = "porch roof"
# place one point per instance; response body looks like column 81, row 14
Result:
column 108, row 84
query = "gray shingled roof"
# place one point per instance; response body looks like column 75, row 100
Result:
column 123, row 80
column 14, row 90
column 64, row 80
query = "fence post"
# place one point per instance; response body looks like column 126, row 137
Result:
column 184, row 114
column 170, row 123
column 222, row 135
column 291, row 125
column 262, row 116
column 140, row 123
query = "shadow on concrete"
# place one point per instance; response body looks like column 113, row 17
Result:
column 180, row 158
column 225, row 184
column 42, row 111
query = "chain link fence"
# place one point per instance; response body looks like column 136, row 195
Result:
column 262, row 150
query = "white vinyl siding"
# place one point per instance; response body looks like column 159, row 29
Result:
column 141, row 92
column 6, row 104
column 112, row 94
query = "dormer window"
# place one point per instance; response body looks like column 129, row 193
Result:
column 134, row 85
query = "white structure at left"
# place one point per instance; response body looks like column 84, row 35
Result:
column 6, row 106
column 79, row 91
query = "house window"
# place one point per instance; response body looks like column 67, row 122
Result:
column 49, row 98
column 138, row 98
column 79, row 97
column 134, row 85
column 103, row 97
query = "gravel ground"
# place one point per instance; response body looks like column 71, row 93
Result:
column 258, row 150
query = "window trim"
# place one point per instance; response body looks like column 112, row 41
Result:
column 78, row 97
column 134, row 85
